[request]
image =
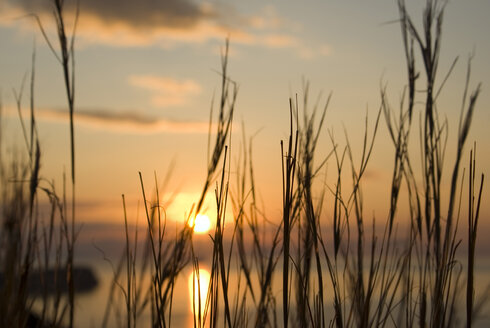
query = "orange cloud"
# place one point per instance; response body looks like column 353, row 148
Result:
column 279, row 41
column 137, row 23
column 128, row 23
column 95, row 30
column 141, row 14
column 167, row 91
column 125, row 122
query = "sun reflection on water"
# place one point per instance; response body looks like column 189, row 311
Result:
column 198, row 290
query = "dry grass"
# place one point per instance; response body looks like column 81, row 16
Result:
column 353, row 275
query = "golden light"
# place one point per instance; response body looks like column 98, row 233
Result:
column 198, row 290
column 201, row 223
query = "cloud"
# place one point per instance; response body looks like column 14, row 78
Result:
column 269, row 19
column 129, row 23
column 126, row 122
column 140, row 23
column 279, row 41
column 167, row 91
column 140, row 14
column 306, row 52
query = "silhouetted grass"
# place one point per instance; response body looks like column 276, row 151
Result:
column 265, row 272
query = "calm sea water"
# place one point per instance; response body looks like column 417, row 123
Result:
column 91, row 306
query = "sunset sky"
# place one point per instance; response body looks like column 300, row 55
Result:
column 146, row 72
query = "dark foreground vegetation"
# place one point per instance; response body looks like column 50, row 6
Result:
column 353, row 274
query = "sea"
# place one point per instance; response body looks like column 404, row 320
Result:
column 104, row 306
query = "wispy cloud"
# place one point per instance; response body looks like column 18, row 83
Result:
column 268, row 19
column 140, row 23
column 167, row 91
column 141, row 14
column 124, row 122
column 307, row 52
column 130, row 23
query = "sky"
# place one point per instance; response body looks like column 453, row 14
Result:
column 146, row 73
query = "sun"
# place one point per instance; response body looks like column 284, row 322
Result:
column 201, row 224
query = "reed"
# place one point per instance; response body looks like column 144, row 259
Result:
column 326, row 262
column 34, row 242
